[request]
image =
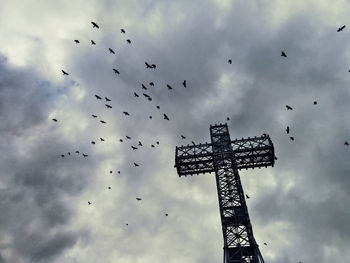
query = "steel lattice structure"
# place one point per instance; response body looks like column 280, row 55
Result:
column 225, row 157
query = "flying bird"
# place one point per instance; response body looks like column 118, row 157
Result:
column 110, row 172
column 283, row 54
column 146, row 95
column 76, row 41
column 287, row 130
column 184, row 83
column 102, row 121
column 136, row 95
column 152, row 146
column 346, row 143
column 116, row 71
column 183, row 137
column 95, row 116
column 149, row 98
column 136, row 164
column 341, row 28
column 143, row 87
column 157, row 142
column 109, row 187
column 68, row 153
column 134, row 148
column 138, row 198
column 107, row 99
column 165, row 117
column 148, row 65
column 93, row 42
column 128, row 137
column 108, row 106
column 89, row 203
column 129, row 41
column 289, row 107
column 55, row 120
column 126, row 113
column 64, row 73
column 169, row 87
column 122, row 31
column 153, row 65
column 92, row 142
column 121, row 140
column 77, row 152
column 85, row 155
column 118, row 172
column 62, row 155
column 150, row 117
column 291, row 138
column 228, row 118
column 230, row 61
column 315, row 102
column 151, row 84
column 140, row 144
column 111, row 51
column 166, row 214
column 98, row 97
column 247, row 196
column 265, row 244
column 102, row 140
column 158, row 107
column 94, row 25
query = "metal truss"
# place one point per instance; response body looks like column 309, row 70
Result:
column 225, row 157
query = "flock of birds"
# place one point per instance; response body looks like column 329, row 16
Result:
column 148, row 97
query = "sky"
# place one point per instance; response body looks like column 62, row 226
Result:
column 299, row 207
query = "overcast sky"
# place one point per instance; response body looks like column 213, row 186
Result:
column 300, row 207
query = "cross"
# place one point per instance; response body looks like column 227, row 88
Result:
column 225, row 158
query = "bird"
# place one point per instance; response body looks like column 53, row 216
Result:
column 165, row 117
column 140, row 144
column 122, row 31
column 287, row 130
column 289, row 107
column 111, row 51
column 126, row 113
column 98, row 97
column 102, row 121
column 143, row 87
column 102, row 140
column 138, row 198
column 92, row 142
column 116, row 71
column 136, row 95
column 153, row 65
column 85, row 155
column 346, row 143
column 315, row 102
column 228, row 118
column 183, row 137
column 149, row 98
column 68, row 153
column 62, row 155
column 166, row 214
column 157, row 142
column 108, row 106
column 247, row 196
column 152, row 146
column 109, row 187
column 134, row 148
column 118, row 172
column 158, row 107
column 126, row 224
column 136, row 164
column 129, row 41
column 150, row 117
column 169, row 87
column 184, row 83
column 151, row 84
column 95, row 116
column 291, row 138
column 89, row 203
column 121, row 140
column 230, row 61
column 64, row 73
column 55, row 120
column 148, row 65
column 77, row 152
column 128, row 137
column 76, row 41
column 283, row 54
column 94, row 25
column 341, row 28
column 193, row 143
column 110, row 172
column 265, row 244
column 146, row 95
column 93, row 42
column 107, row 99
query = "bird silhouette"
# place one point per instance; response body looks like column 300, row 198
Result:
column 291, row 138
column 95, row 116
column 134, row 148
column 150, row 117
column 76, row 41
column 149, row 98
column 128, row 137
column 157, row 142
column 230, row 61
column 118, row 172
column 289, row 107
column 122, row 31
column 158, row 107
column 68, row 153
column 55, row 120
column 102, row 140
column 129, row 41
column 341, row 28
column 315, row 102
column 94, row 25
column 247, row 196
column 62, row 155
column 89, row 203
column 77, row 152
column 85, row 155
column 102, row 121
column 140, row 144
column 136, row 164
column 93, row 42
column 64, row 73
column 184, row 83
column 228, row 118
column 121, row 140
column 165, row 117
column 136, row 95
column 143, row 87
column 110, row 172
column 265, row 244
column 92, row 142
column 126, row 113
column 287, row 130
column 166, row 214
column 111, row 51
column 283, row 54
column 148, row 65
column 151, row 84
column 169, row 87
column 346, row 143
column 138, row 198
column 183, row 137
column 152, row 146
column 107, row 99
column 146, row 95
column 109, row 187
column 126, row 224
column 116, row 71
column 153, row 65
column 108, row 106
column 98, row 97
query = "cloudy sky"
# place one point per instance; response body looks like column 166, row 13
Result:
column 300, row 207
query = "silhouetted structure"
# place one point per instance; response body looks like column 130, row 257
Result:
column 225, row 157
